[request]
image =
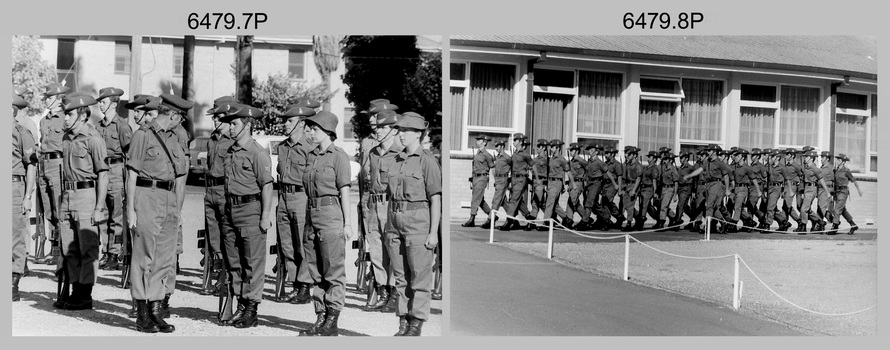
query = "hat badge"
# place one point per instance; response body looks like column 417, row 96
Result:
column 250, row 112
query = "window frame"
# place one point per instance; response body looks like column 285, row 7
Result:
column 182, row 65
column 678, row 109
column 465, row 84
column 301, row 52
column 660, row 96
column 819, row 115
column 63, row 74
column 126, row 70
column 867, row 113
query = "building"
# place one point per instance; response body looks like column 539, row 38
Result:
column 682, row 92
column 89, row 63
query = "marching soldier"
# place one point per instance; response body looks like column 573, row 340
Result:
column 520, row 163
column 24, row 158
column 826, row 197
column 578, row 166
column 539, row 177
column 633, row 172
column 684, row 190
column 249, row 205
column 756, row 190
column 49, row 180
column 557, row 169
column 215, row 215
column 615, row 172
column 701, row 192
column 593, row 172
column 116, row 134
column 743, row 178
column 83, row 201
column 502, row 164
column 812, row 177
column 793, row 173
column 669, row 177
column 716, row 173
column 381, row 159
column 844, row 177
column 482, row 164
column 776, row 176
column 154, row 161
column 416, row 191
column 327, row 188
column 648, row 180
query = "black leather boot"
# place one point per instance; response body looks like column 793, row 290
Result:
column 239, row 312
column 249, row 319
column 165, row 306
column 303, row 296
column 313, row 329
column 529, row 227
column 292, row 295
column 15, row 287
column 853, row 228
column 382, row 298
column 103, row 261
column 507, row 226
column 82, row 297
column 329, row 328
column 393, row 303
column 414, row 327
column 144, row 323
column 403, row 326
column 134, row 310
column 833, row 229
column 112, row 264
column 154, row 313
column 470, row 223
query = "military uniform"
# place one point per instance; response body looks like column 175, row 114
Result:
column 82, row 162
column 578, row 168
column 502, row 164
column 684, row 190
column 539, row 167
column 843, row 176
column 793, row 173
column 758, row 176
column 670, row 176
column 23, row 156
column 811, row 178
column 595, row 176
column 482, row 164
column 116, row 133
column 49, row 168
column 776, row 185
column 416, row 179
column 648, row 180
column 521, row 163
column 557, row 167
column 633, row 170
column 826, row 198
column 608, row 207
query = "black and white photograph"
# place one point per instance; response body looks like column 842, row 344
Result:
column 663, row 185
column 227, row 185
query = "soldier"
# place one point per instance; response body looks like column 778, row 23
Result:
column 633, row 172
column 578, row 166
column 24, row 158
column 49, row 181
column 776, row 177
column 142, row 116
column 812, row 177
column 716, row 173
column 539, row 178
column 594, row 172
column 743, row 178
column 482, row 164
column 615, row 173
column 844, row 177
column 793, row 172
column 520, row 162
column 648, row 181
column 557, row 170
column 154, row 161
column 697, row 205
column 249, row 205
column 327, row 187
column 684, row 190
column 502, row 164
column 82, row 209
column 669, row 178
column 416, row 191
column 215, row 216
column 116, row 133
column 826, row 198
column 756, row 190
column 381, row 159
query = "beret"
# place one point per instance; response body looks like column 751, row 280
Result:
column 176, row 103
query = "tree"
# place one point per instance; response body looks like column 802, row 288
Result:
column 326, row 52
column 391, row 67
column 31, row 71
column 276, row 93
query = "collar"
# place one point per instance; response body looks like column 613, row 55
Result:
column 106, row 121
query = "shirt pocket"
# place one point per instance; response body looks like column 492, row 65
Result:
column 414, row 186
column 155, row 160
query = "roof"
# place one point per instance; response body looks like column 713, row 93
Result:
column 844, row 55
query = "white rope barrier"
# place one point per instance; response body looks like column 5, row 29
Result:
column 776, row 231
column 682, row 256
column 798, row 306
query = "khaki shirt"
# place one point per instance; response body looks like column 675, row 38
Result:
column 596, row 168
column 578, row 166
column 147, row 157
column 558, row 166
column 116, row 133
column 83, row 155
column 381, row 166
column 327, row 172
column 827, row 173
column 292, row 161
column 540, row 164
column 521, row 162
column 670, row 174
column 811, row 174
column 52, row 128
column 217, row 150
column 741, row 174
column 482, row 162
column 24, row 150
column 776, row 174
column 502, row 164
column 416, row 176
column 843, row 176
column 248, row 169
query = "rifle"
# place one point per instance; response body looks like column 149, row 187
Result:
column 437, row 270
column 127, row 240
column 280, row 270
column 362, row 280
column 64, row 282
column 39, row 235
column 207, row 276
column 225, row 302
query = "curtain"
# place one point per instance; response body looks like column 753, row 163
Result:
column 701, row 110
column 874, row 123
column 849, row 139
column 800, row 115
column 457, row 116
column 757, row 126
column 550, row 115
column 491, row 95
column 599, row 103
column 657, row 125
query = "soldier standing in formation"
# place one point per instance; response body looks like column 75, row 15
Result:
column 557, row 168
column 24, row 158
column 116, row 134
column 49, row 169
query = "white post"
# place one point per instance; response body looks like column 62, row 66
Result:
column 626, row 256
column 491, row 215
column 550, row 241
column 735, row 283
column 707, row 228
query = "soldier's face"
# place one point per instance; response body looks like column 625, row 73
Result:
column 71, row 119
column 480, row 143
column 409, row 136
column 104, row 104
column 291, row 124
column 236, row 127
column 316, row 134
column 383, row 132
column 53, row 101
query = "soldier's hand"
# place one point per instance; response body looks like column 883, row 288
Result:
column 26, row 205
column 99, row 216
column 431, row 241
column 349, row 232
column 265, row 222
column 728, row 192
column 131, row 218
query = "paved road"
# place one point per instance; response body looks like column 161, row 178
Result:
column 498, row 291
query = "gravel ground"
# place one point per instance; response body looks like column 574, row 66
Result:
column 192, row 314
column 822, row 276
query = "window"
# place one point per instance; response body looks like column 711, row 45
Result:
column 495, row 137
column 757, row 116
column 851, row 134
column 873, row 148
column 554, row 78
column 178, row 60
column 660, row 89
column 672, row 110
column 491, row 95
column 348, row 114
column 701, row 110
column 798, row 121
column 121, row 58
column 657, row 125
column 458, row 71
column 457, row 115
column 66, row 67
column 296, row 63
column 599, row 103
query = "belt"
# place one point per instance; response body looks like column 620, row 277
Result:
column 480, row 174
column 579, row 179
column 111, row 160
column 647, row 185
column 211, row 181
column 595, row 178
column 743, row 186
column 79, row 185
column 520, row 175
column 290, row 188
column 808, row 184
column 555, row 178
column 322, row 201
column 51, row 155
column 541, row 177
column 775, row 183
column 829, row 185
column 688, row 184
column 668, row 185
column 794, row 183
column 239, row 200
column 378, row 197
column 501, row 175
column 18, row 178
column 842, row 187
column 406, row 205
column 164, row 185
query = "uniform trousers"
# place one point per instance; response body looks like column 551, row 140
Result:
column 154, row 243
column 411, row 262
